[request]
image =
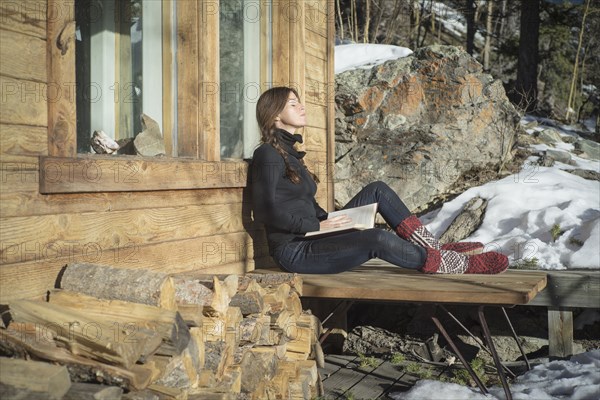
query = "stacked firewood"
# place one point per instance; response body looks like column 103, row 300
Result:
column 153, row 335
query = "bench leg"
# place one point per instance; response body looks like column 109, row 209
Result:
column 441, row 328
column 514, row 334
column 560, row 332
column 499, row 366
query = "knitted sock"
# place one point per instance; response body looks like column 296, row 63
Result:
column 414, row 231
column 451, row 262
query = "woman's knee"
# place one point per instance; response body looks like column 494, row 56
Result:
column 377, row 186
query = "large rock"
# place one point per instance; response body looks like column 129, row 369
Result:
column 419, row 123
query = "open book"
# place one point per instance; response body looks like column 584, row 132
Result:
column 363, row 217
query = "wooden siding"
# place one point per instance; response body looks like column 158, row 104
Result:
column 207, row 229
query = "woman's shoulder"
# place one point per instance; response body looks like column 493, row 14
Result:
column 266, row 153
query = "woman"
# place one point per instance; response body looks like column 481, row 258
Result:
column 283, row 200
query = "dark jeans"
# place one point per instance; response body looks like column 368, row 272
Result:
column 344, row 251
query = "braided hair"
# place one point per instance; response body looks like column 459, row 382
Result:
column 270, row 104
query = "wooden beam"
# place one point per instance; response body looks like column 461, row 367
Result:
column 209, row 79
column 560, row 332
column 23, row 102
column 28, row 17
column 60, row 57
column 188, row 79
column 570, row 289
column 329, row 98
column 110, row 174
column 20, row 55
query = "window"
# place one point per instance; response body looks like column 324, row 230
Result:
column 121, row 68
column 242, row 25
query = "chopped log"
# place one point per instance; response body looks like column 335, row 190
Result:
column 286, row 371
column 285, row 322
column 299, row 348
column 134, row 285
column 265, row 338
column 294, row 304
column 167, row 323
column 253, row 286
column 87, row 337
column 276, row 298
column 205, row 395
column 20, row 378
column 231, row 381
column 198, row 336
column 258, row 365
column 33, row 342
column 145, row 394
column 250, row 330
column 198, row 295
column 248, row 303
column 271, row 279
column 216, row 357
column 165, row 392
column 214, row 328
column 233, row 319
column 93, row 391
column 178, row 374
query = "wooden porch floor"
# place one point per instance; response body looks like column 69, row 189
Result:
column 344, row 378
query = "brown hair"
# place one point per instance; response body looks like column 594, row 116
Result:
column 270, row 104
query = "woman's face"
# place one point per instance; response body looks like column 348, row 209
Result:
column 293, row 115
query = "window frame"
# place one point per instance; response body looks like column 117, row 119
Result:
column 197, row 165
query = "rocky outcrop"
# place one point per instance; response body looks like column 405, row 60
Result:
column 419, row 123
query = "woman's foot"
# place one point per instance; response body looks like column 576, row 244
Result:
column 451, row 262
column 414, row 231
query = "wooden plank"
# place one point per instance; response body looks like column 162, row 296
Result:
column 24, row 238
column 296, row 12
column 330, row 96
column 188, row 79
column 168, row 74
column 32, row 379
column 18, row 177
column 23, row 140
column 317, row 14
column 224, row 253
column 315, row 138
column 383, row 281
column 22, row 204
column 316, row 68
column 316, row 45
column 281, row 45
column 23, row 102
column 570, row 289
column 20, row 55
column 208, row 77
column 110, row 174
column 28, row 17
column 560, row 332
column 60, row 60
column 317, row 115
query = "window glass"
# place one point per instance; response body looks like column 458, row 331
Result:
column 119, row 69
column 241, row 52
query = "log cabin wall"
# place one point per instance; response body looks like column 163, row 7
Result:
column 165, row 214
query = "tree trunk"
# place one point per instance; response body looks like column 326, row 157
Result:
column 470, row 16
column 526, row 84
column 488, row 36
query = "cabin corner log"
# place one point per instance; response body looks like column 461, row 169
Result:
column 134, row 285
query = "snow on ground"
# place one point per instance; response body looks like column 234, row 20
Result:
column 366, row 55
column 523, row 208
column 575, row 379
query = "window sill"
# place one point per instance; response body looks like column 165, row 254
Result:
column 99, row 173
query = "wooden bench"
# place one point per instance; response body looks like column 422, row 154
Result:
column 380, row 281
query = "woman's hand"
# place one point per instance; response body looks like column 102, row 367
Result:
column 335, row 222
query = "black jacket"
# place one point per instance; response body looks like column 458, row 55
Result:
column 287, row 210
